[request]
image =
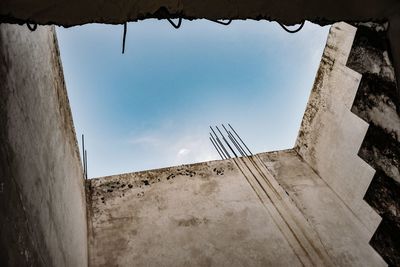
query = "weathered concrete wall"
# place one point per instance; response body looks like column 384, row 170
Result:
column 268, row 210
column 76, row 12
column 377, row 103
column 196, row 215
column 42, row 198
column 330, row 134
column 337, row 227
column 297, row 207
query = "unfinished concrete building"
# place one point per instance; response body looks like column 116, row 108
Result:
column 332, row 200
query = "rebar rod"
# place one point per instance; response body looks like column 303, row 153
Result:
column 216, row 148
column 233, row 142
column 237, row 145
column 240, row 139
column 237, row 142
column 86, row 173
column 83, row 156
column 219, row 147
column 124, row 37
column 226, row 141
column 219, row 141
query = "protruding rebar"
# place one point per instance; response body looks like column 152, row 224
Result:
column 221, row 22
column 124, row 37
column 86, row 172
column 240, row 139
column 216, row 148
column 242, row 151
column 226, row 141
column 176, row 26
column 83, row 156
column 32, row 27
column 219, row 141
column 233, row 142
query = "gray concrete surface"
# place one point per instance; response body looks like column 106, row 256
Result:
column 335, row 224
column 331, row 135
column 42, row 201
column 197, row 215
column 269, row 210
column 297, row 207
column 74, row 12
column 302, row 206
column 77, row 12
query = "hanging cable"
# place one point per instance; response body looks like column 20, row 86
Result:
column 124, row 37
column 292, row 31
column 221, row 22
column 176, row 26
column 32, row 27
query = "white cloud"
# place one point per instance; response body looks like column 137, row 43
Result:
column 175, row 148
column 183, row 152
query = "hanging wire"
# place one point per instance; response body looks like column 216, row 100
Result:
column 176, row 26
column 31, row 27
column 221, row 22
column 292, row 31
column 124, row 37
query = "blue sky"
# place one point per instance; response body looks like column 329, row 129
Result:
column 151, row 107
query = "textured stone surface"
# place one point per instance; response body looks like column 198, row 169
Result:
column 383, row 194
column 386, row 241
column 42, row 200
column 381, row 152
column 377, row 103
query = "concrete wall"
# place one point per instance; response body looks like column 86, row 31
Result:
column 376, row 102
column 196, row 215
column 331, row 135
column 297, row 207
column 42, row 198
column 77, row 12
column 268, row 210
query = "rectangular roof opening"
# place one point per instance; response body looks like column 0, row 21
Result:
column 151, row 107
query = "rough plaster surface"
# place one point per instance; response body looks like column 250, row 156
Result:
column 336, row 226
column 43, row 211
column 196, row 215
column 235, row 212
column 331, row 135
column 225, row 213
